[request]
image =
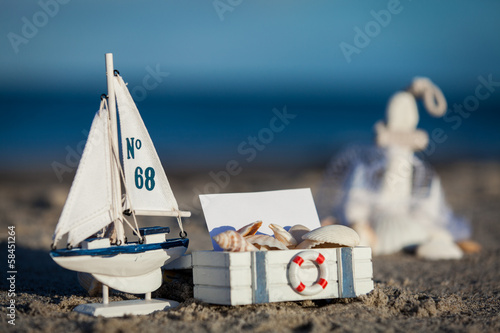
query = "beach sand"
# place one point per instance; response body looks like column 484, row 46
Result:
column 410, row 294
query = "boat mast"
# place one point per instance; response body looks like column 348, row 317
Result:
column 115, row 173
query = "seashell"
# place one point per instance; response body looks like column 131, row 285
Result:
column 437, row 249
column 330, row 236
column 439, row 246
column 250, row 229
column 232, row 241
column 90, row 284
column 469, row 246
column 283, row 236
column 266, row 242
column 307, row 244
column 297, row 231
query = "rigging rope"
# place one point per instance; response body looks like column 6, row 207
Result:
column 183, row 234
column 122, row 176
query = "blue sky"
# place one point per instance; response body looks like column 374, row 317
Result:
column 263, row 54
column 256, row 41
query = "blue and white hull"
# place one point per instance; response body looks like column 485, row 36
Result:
column 132, row 259
column 133, row 268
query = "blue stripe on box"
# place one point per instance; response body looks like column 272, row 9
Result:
column 347, row 273
column 260, row 293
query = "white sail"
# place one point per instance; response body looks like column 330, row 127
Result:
column 146, row 182
column 88, row 207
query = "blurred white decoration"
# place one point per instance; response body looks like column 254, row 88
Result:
column 387, row 194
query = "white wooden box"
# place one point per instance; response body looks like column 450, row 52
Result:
column 237, row 278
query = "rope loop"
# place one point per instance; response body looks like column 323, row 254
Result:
column 432, row 96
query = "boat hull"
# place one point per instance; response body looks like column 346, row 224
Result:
column 133, row 284
column 121, row 261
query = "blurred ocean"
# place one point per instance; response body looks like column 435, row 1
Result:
column 192, row 133
column 218, row 75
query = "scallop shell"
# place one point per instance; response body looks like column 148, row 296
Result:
column 283, row 236
column 307, row 244
column 266, row 242
column 90, row 284
column 250, row 229
column 297, row 231
column 232, row 241
column 330, row 236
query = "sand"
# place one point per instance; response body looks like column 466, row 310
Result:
column 410, row 294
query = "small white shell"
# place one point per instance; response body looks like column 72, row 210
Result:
column 90, row 284
column 437, row 250
column 439, row 246
column 297, row 231
column 266, row 242
column 250, row 229
column 283, row 236
column 331, row 236
column 232, row 241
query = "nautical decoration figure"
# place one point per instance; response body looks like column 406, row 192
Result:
column 390, row 196
column 94, row 204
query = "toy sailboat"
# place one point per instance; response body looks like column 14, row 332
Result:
column 96, row 202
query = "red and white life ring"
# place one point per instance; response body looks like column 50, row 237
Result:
column 293, row 273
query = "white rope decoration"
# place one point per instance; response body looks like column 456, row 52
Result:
column 432, row 96
column 179, row 221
